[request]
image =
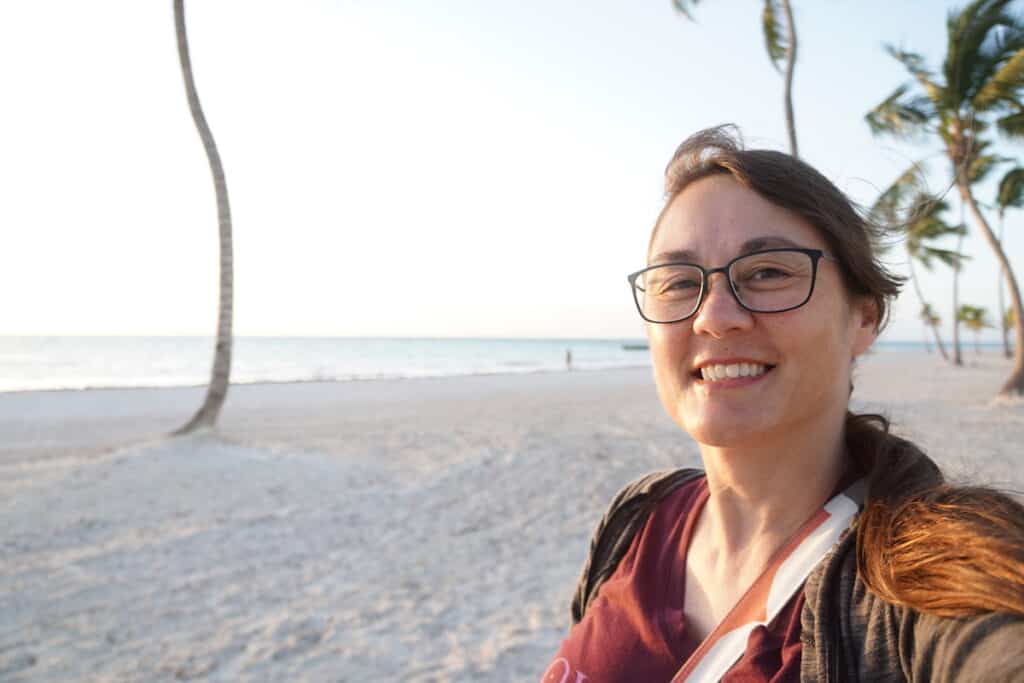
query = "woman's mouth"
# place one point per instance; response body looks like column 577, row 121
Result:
column 721, row 371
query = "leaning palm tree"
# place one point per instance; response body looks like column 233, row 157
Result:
column 980, row 84
column 1010, row 195
column 217, row 391
column 1009, row 318
column 974, row 318
column 780, row 41
column 923, row 227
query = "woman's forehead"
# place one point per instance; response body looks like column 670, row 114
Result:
column 717, row 215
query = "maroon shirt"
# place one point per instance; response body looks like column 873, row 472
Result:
column 635, row 630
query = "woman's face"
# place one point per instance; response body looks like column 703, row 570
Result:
column 807, row 352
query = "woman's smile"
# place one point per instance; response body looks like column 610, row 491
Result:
column 731, row 373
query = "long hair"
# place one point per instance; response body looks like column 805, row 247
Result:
column 921, row 542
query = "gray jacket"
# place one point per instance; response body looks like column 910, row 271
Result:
column 849, row 633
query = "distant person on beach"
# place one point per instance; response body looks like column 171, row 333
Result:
column 568, row 359
column 814, row 545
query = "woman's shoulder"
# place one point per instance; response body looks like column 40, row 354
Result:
column 626, row 514
column 652, row 488
column 850, row 632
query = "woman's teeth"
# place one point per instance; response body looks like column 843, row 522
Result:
column 733, row 370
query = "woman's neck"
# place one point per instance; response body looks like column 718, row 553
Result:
column 760, row 495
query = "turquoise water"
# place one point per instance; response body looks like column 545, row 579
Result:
column 29, row 363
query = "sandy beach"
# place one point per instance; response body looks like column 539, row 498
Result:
column 413, row 530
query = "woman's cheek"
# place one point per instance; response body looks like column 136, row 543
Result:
column 668, row 356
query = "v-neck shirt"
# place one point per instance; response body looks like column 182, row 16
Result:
column 635, row 630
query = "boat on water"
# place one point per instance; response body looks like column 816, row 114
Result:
column 634, row 347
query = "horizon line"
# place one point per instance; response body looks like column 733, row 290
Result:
column 996, row 342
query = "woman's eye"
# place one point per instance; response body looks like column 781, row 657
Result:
column 767, row 274
column 678, row 285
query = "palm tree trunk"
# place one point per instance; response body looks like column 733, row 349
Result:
column 220, row 377
column 790, row 67
column 1002, row 310
column 920, row 297
column 957, row 358
column 1014, row 384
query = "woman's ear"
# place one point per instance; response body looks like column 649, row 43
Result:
column 865, row 320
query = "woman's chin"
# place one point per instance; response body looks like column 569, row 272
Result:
column 725, row 433
column 723, row 439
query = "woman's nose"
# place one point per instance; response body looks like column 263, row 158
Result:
column 720, row 312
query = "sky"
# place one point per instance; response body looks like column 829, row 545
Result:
column 399, row 168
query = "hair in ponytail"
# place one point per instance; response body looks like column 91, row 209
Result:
column 921, row 542
column 926, row 544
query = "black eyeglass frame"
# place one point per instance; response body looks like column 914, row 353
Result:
column 706, row 273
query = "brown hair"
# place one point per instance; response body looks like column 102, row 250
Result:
column 921, row 542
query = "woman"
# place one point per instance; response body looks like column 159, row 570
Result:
column 814, row 545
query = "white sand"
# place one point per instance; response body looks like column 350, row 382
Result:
column 418, row 530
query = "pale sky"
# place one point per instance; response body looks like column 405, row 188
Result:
column 400, row 168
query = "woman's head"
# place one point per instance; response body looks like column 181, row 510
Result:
column 828, row 294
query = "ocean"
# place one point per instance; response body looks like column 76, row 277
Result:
column 42, row 363
column 35, row 363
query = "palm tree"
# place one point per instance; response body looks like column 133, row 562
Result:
column 924, row 331
column 217, row 391
column 980, row 168
column 780, row 41
column 980, row 84
column 975, row 318
column 1010, row 195
column 957, row 267
column 1009, row 318
column 931, row 319
column 924, row 227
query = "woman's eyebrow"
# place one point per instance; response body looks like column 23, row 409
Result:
column 768, row 242
column 751, row 245
column 674, row 255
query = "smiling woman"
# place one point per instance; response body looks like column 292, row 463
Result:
column 814, row 545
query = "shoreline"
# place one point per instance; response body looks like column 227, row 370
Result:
column 317, row 380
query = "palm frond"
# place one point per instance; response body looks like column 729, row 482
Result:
column 900, row 114
column 982, row 165
column 914, row 63
column 971, row 54
column 1005, row 38
column 776, row 39
column 1004, row 84
column 893, row 200
column 926, row 227
column 1012, row 125
column 947, row 256
column 1011, row 189
column 932, row 226
column 684, row 7
column 974, row 317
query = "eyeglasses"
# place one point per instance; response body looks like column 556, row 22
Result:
column 767, row 281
